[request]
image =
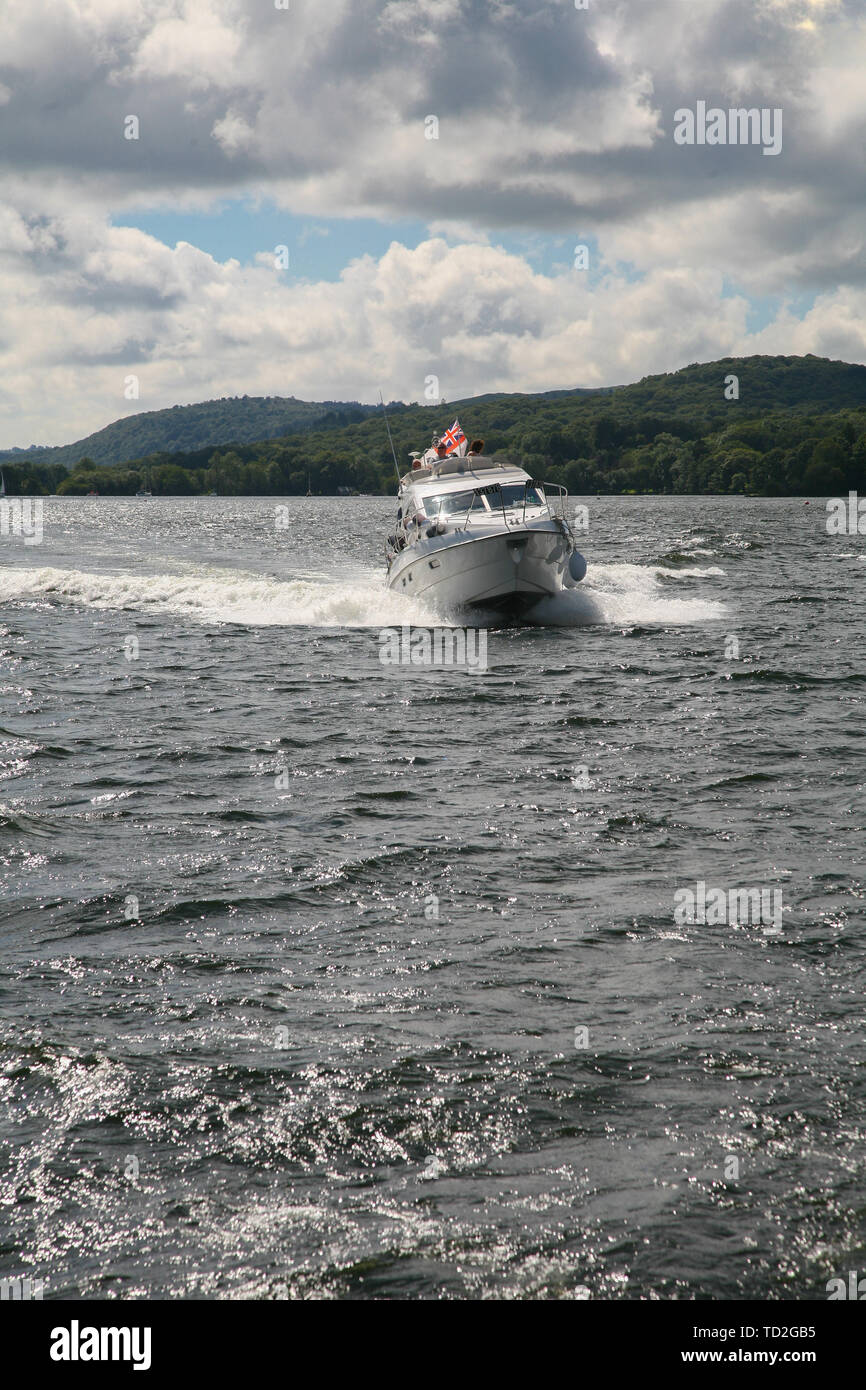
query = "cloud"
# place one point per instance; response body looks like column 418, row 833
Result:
column 87, row 303
column 551, row 121
column 548, row 116
column 201, row 45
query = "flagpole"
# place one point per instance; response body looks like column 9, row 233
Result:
column 390, row 440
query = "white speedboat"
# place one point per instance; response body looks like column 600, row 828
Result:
column 474, row 530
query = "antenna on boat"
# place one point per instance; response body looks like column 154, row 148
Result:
column 390, row 440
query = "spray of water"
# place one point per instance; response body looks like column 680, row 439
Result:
column 611, row 594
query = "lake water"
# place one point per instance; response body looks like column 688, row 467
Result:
column 324, row 979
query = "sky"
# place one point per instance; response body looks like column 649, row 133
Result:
column 429, row 167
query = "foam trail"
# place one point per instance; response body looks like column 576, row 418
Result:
column 617, row 594
column 612, row 594
column 710, row 572
column 223, row 597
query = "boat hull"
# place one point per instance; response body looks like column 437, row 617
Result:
column 508, row 571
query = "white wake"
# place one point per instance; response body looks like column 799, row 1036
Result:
column 626, row 594
column 610, row 594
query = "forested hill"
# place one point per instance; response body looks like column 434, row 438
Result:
column 233, row 419
column 766, row 384
column 793, row 425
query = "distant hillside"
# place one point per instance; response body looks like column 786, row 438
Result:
column 233, row 419
column 798, row 427
column 766, row 384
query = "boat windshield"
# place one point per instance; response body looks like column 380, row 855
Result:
column 512, row 495
column 451, row 503
column 508, row 494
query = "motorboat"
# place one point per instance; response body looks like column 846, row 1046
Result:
column 474, row 530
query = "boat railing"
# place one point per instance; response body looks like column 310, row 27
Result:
column 557, row 500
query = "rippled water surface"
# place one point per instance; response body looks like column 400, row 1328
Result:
column 287, row 1076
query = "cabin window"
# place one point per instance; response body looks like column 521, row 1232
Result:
column 512, row 494
column 453, row 504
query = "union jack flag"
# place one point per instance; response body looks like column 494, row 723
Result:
column 454, row 438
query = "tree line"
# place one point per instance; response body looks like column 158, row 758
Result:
column 798, row 428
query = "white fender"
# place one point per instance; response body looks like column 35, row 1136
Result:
column 577, row 566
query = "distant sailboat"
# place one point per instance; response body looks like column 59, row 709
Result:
column 2, row 484
column 309, row 494
column 145, row 491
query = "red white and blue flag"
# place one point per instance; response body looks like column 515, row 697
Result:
column 454, row 439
